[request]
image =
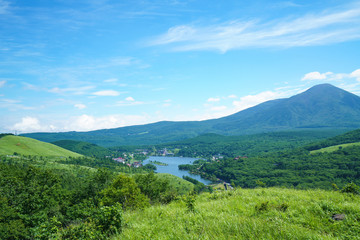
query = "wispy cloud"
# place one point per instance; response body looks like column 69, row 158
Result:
column 2, row 83
column 71, row 90
column 213, row 99
column 322, row 28
column 14, row 105
column 316, row 76
column 4, row 7
column 330, row 76
column 129, row 101
column 109, row 93
column 80, row 106
column 88, row 122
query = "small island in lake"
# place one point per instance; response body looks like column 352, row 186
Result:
column 159, row 163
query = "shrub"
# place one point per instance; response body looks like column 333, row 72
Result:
column 351, row 188
column 264, row 206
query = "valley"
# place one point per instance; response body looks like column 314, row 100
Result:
column 286, row 184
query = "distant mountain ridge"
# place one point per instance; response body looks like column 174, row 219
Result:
column 322, row 106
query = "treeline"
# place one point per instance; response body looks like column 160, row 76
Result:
column 75, row 203
column 84, row 148
column 5, row 134
column 349, row 137
column 294, row 169
column 209, row 145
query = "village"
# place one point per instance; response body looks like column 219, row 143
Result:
column 136, row 157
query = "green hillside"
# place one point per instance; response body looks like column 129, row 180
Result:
column 335, row 148
column 271, row 213
column 248, row 145
column 84, row 148
column 11, row 144
column 348, row 137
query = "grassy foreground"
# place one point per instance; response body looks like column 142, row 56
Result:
column 264, row 213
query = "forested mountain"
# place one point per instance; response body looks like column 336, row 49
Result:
column 322, row 106
column 84, row 148
column 210, row 145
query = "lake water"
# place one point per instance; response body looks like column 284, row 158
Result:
column 172, row 168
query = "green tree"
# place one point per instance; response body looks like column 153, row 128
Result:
column 125, row 191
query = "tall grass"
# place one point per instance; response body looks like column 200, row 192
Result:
column 271, row 213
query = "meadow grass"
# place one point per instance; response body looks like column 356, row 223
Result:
column 264, row 213
column 28, row 146
column 334, row 148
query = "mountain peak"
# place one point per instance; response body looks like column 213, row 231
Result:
column 325, row 88
column 321, row 106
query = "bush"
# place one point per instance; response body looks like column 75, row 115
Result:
column 106, row 221
column 351, row 188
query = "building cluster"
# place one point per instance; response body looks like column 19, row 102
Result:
column 123, row 161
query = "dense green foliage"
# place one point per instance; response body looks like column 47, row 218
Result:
column 5, row 134
column 349, row 137
column 263, row 213
column 84, row 148
column 51, row 201
column 199, row 187
column 295, row 168
column 250, row 145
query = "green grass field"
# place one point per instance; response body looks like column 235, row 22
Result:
column 27, row 146
column 269, row 213
column 334, row 148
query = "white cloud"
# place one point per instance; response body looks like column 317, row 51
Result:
column 2, row 83
column 356, row 74
column 31, row 124
column 80, row 106
column 73, row 90
column 232, row 96
column 330, row 76
column 309, row 30
column 88, row 122
column 252, row 100
column 130, row 99
column 111, row 93
column 213, row 100
column 316, row 76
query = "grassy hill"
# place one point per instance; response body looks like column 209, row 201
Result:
column 334, row 148
column 11, row 144
column 270, row 213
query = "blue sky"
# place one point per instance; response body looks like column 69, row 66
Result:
column 83, row 65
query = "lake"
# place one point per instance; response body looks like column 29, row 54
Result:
column 172, row 167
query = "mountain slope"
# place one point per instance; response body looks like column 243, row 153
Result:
column 319, row 107
column 26, row 146
column 322, row 106
column 84, row 148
